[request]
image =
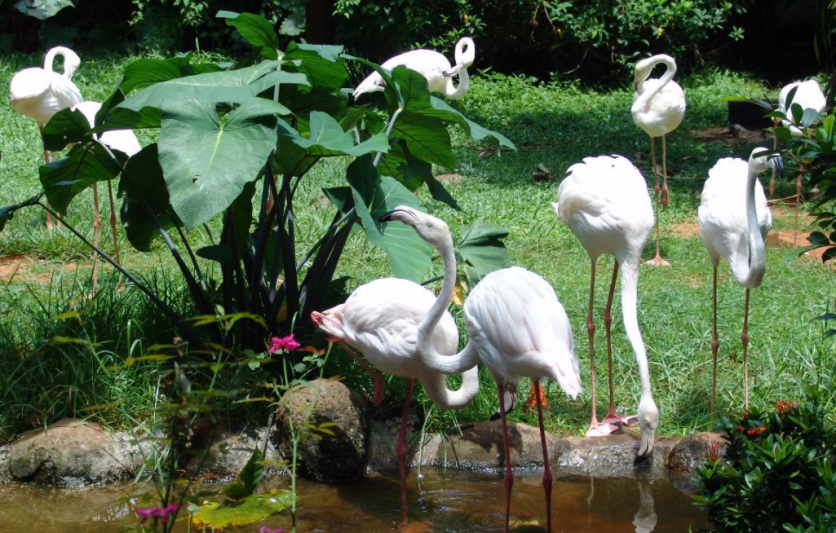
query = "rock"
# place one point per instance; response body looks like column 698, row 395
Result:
column 71, row 452
column 5, row 475
column 333, row 458
column 614, row 456
column 229, row 453
column 690, row 453
column 383, row 438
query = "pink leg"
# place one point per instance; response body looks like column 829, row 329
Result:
column 547, row 474
column 715, row 345
column 509, row 474
column 596, row 429
column 377, row 378
column 401, row 448
column 114, row 233
column 657, row 260
column 57, row 217
column 612, row 416
column 49, row 225
column 664, row 174
column 744, row 338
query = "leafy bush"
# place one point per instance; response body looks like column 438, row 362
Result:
column 777, row 473
column 225, row 132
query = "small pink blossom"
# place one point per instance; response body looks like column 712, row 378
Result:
column 160, row 512
column 283, row 343
column 265, row 529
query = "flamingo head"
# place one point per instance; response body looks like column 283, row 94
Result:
column 763, row 159
column 373, row 83
column 645, row 67
column 433, row 230
column 648, row 416
column 330, row 321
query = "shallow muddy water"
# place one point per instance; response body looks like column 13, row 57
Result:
column 441, row 502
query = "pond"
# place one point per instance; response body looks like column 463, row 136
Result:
column 450, row 501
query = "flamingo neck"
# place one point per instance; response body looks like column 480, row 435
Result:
column 69, row 70
column 435, row 385
column 447, row 364
column 455, row 93
column 753, row 265
column 644, row 97
column 629, row 305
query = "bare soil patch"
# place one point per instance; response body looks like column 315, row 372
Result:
column 20, row 267
column 450, row 179
column 731, row 135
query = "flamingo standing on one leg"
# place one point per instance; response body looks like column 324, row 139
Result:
column 126, row 142
column 39, row 93
column 808, row 95
column 515, row 324
column 734, row 219
column 658, row 108
column 380, row 319
column 433, row 66
column 604, row 202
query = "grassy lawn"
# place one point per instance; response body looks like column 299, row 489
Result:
column 554, row 125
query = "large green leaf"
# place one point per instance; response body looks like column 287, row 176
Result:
column 65, row 127
column 296, row 154
column 42, row 9
column 255, row 29
column 248, row 479
column 375, row 196
column 86, row 164
column 252, row 509
column 144, row 180
column 426, row 138
column 206, row 163
column 235, row 87
column 480, row 250
column 322, row 64
column 441, row 109
column 413, row 172
column 146, row 72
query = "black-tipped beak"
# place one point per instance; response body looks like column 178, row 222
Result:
column 778, row 161
column 388, row 216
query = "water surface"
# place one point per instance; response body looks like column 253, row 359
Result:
column 447, row 502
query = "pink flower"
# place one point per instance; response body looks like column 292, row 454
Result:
column 265, row 529
column 159, row 512
column 283, row 343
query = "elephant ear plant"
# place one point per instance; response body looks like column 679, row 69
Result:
column 234, row 143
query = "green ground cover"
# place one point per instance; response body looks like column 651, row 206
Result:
column 552, row 124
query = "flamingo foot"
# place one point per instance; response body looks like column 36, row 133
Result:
column 599, row 429
column 657, row 262
column 613, row 417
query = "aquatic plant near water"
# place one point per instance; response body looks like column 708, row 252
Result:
column 265, row 529
column 158, row 512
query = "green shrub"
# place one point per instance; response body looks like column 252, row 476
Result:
column 777, row 473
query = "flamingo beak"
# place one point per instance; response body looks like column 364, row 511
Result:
column 778, row 163
column 510, row 398
column 396, row 214
column 646, row 446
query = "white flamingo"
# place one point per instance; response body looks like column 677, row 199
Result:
column 126, row 142
column 380, row 319
column 658, row 108
column 808, row 95
column 605, row 203
column 433, row 66
column 39, row 93
column 515, row 324
column 734, row 219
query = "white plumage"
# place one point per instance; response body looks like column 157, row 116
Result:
column 381, row 319
column 123, row 140
column 658, row 108
column 39, row 93
column 604, row 202
column 734, row 219
column 515, row 325
column 433, row 66
column 808, row 95
column 722, row 217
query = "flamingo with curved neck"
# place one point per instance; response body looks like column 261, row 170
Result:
column 433, row 66
column 604, row 202
column 515, row 325
column 734, row 220
column 658, row 108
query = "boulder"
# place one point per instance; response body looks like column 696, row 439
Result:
column 614, row 456
column 5, row 475
column 323, row 456
column 689, row 453
column 229, row 453
column 71, row 452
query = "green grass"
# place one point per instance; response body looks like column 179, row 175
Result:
column 553, row 124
